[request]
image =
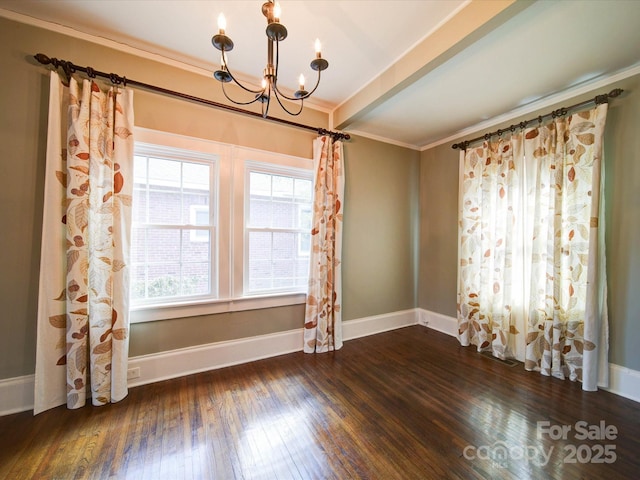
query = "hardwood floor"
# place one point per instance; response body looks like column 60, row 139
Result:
column 407, row 404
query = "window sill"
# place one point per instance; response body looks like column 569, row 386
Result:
column 144, row 313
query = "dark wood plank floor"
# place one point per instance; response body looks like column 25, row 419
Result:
column 407, row 404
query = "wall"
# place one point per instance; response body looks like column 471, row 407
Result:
column 380, row 211
column 438, row 229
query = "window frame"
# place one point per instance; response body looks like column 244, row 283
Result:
column 230, row 242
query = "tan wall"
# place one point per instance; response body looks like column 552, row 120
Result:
column 380, row 228
column 377, row 195
column 438, row 230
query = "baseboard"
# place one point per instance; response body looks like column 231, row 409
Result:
column 16, row 394
column 157, row 367
column 624, row 382
column 438, row 321
column 365, row 326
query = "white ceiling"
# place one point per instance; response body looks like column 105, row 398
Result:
column 529, row 52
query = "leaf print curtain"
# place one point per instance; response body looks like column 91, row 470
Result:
column 531, row 273
column 488, row 278
column 83, row 309
column 323, row 317
column 567, row 324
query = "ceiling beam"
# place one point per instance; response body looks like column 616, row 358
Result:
column 473, row 21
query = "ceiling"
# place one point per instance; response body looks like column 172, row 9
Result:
column 414, row 73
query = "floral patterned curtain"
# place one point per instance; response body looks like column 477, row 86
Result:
column 487, row 275
column 567, row 331
column 83, row 307
column 323, row 317
column 531, row 273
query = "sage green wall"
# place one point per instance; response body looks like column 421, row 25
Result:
column 438, row 228
column 377, row 195
column 380, row 228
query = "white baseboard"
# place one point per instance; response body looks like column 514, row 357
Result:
column 16, row 394
column 438, row 321
column 624, row 382
column 186, row 361
column 363, row 327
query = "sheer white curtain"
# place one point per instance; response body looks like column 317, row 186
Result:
column 531, row 273
column 323, row 313
column 83, row 306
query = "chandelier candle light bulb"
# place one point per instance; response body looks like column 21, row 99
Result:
column 276, row 12
column 276, row 32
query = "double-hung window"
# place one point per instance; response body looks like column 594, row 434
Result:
column 277, row 228
column 174, row 225
column 216, row 227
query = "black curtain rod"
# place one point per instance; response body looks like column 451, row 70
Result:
column 70, row 68
column 598, row 99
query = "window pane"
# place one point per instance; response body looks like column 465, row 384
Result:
column 283, row 214
column 165, row 206
column 195, row 246
column 302, row 189
column 164, row 173
column 163, row 245
column 163, row 280
column 195, row 278
column 260, row 184
column 259, row 211
column 197, row 209
column 284, row 246
column 282, row 186
column 195, row 176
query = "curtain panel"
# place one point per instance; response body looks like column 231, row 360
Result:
column 323, row 312
column 531, row 271
column 83, row 306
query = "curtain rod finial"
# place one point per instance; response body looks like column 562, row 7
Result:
column 42, row 58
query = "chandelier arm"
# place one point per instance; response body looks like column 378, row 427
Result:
column 307, row 95
column 275, row 83
column 238, row 103
column 277, row 94
column 315, row 87
column 226, row 67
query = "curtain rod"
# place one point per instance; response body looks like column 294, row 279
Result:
column 598, row 99
column 70, row 68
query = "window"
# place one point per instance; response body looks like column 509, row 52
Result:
column 216, row 227
column 173, row 233
column 277, row 230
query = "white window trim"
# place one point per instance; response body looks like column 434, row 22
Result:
column 230, row 231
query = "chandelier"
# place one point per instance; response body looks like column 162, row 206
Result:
column 276, row 32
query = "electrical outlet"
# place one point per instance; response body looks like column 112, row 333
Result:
column 133, row 373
